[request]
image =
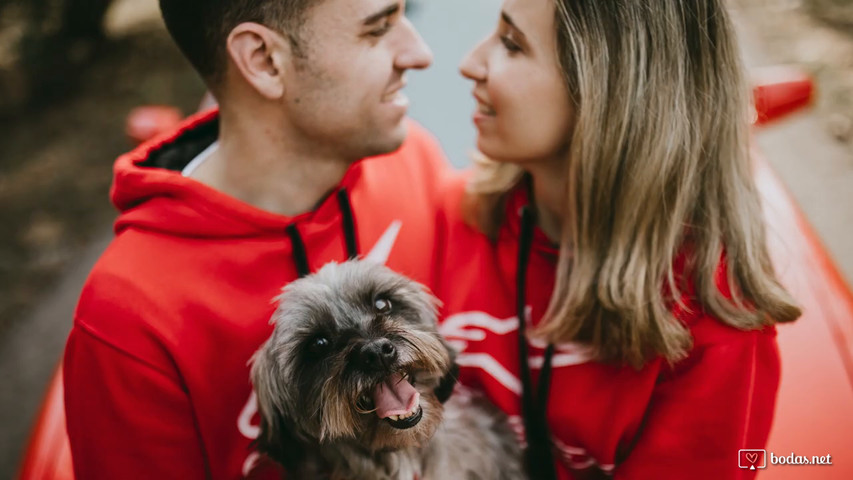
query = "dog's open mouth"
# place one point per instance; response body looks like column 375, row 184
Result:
column 397, row 402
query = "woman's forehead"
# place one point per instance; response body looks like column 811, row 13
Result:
column 534, row 18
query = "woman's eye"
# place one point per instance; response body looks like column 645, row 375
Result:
column 319, row 345
column 382, row 305
column 509, row 44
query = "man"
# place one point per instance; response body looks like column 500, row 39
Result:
column 217, row 217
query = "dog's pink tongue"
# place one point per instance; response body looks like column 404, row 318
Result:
column 395, row 397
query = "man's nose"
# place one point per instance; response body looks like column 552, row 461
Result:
column 377, row 355
column 414, row 52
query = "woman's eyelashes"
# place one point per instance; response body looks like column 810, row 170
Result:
column 511, row 45
column 509, row 37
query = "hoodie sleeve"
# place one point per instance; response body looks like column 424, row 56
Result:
column 717, row 401
column 127, row 417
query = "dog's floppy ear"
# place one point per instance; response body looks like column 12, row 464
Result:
column 448, row 381
column 446, row 384
column 279, row 443
column 277, row 439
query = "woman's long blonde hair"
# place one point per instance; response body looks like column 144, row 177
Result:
column 658, row 166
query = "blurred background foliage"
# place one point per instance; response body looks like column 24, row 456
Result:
column 45, row 43
column 70, row 71
column 839, row 12
column 43, row 46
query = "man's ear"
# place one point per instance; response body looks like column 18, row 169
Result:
column 261, row 56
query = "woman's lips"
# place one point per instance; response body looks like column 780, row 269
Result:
column 483, row 113
column 483, row 107
column 485, row 110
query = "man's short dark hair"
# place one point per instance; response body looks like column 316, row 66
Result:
column 201, row 27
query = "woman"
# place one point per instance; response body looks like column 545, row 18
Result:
column 614, row 210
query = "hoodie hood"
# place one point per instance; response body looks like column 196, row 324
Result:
column 151, row 193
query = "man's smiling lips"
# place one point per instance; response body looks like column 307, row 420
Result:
column 396, row 95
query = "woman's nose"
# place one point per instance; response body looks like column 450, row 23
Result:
column 473, row 66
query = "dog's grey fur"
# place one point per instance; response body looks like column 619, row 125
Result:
column 308, row 395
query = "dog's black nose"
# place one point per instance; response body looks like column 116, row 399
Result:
column 377, row 355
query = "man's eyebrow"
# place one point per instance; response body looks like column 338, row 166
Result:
column 506, row 18
column 387, row 11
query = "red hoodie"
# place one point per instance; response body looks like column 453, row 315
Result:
column 156, row 375
column 685, row 421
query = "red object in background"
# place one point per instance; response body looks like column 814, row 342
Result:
column 816, row 355
column 778, row 91
column 48, row 455
column 146, row 122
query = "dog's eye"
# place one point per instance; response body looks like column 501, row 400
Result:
column 319, row 345
column 382, row 305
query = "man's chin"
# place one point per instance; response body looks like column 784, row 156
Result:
column 400, row 132
column 391, row 141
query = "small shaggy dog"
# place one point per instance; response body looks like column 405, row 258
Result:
column 355, row 380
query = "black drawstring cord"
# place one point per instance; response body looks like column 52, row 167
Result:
column 349, row 223
column 300, row 255
column 539, row 459
column 300, row 258
column 520, row 281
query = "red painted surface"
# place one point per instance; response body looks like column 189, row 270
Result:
column 814, row 414
column 48, row 455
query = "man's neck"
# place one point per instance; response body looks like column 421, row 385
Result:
column 259, row 167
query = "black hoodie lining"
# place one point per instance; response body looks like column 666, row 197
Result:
column 176, row 154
